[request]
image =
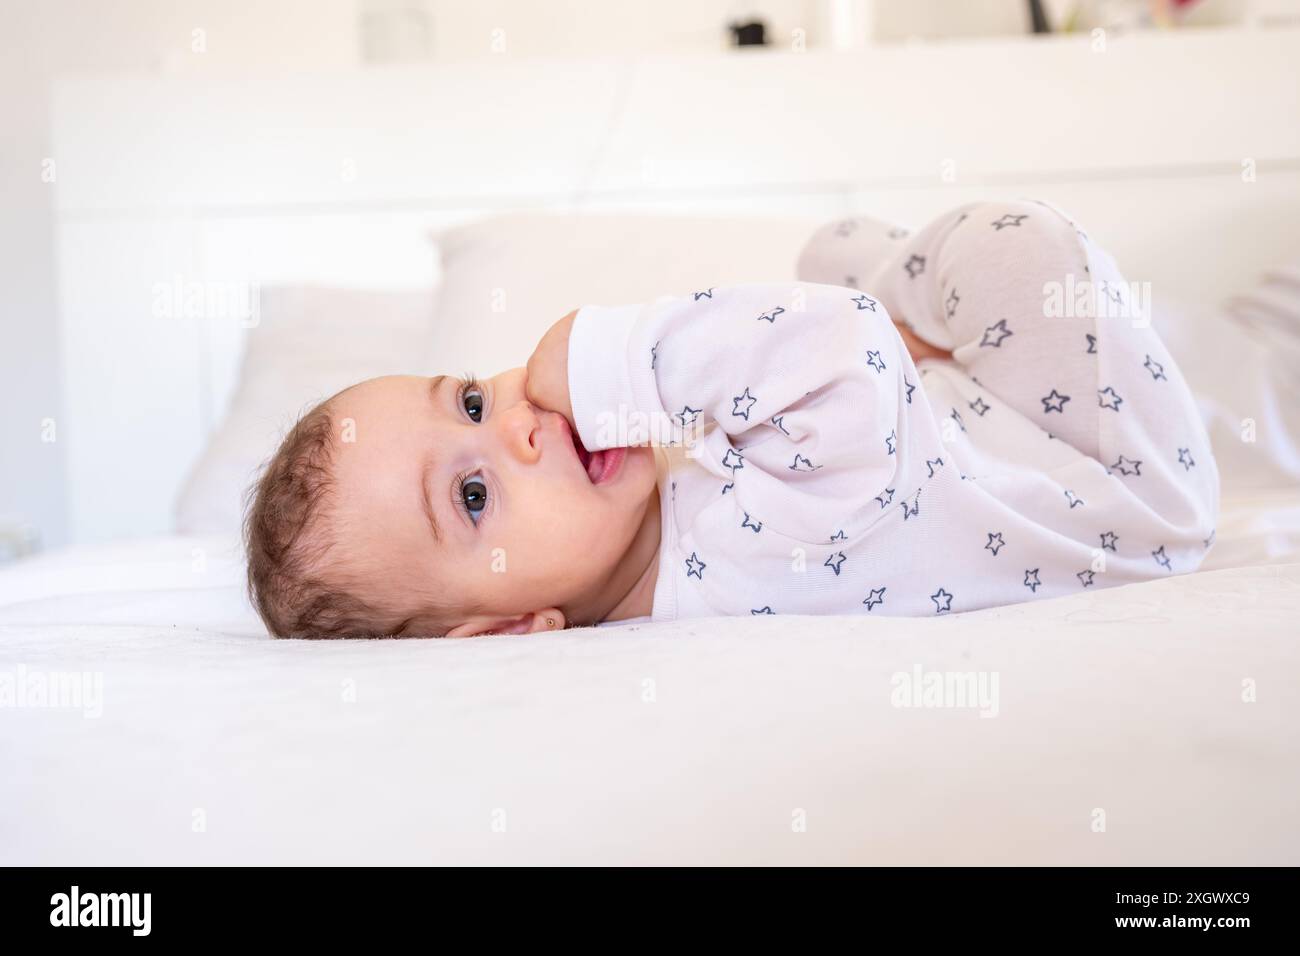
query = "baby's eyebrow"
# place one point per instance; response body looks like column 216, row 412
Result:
column 426, row 502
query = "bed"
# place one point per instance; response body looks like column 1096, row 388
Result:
column 1164, row 713
column 1154, row 723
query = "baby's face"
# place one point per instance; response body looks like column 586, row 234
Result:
column 472, row 495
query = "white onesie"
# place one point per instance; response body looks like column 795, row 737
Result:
column 826, row 473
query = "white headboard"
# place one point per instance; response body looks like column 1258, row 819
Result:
column 1182, row 151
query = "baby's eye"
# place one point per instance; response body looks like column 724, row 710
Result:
column 473, row 496
column 471, row 397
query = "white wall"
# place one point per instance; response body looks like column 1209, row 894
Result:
column 42, row 39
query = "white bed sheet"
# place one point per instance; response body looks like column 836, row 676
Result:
column 699, row 741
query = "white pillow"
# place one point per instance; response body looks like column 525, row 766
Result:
column 506, row 279
column 310, row 342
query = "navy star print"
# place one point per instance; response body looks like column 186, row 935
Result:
column 1108, row 540
column 766, row 609
column 957, row 418
column 886, row 498
column 771, row 315
column 889, row 441
column 996, row 334
column 915, row 509
column 1162, row 559
column 779, row 422
column 1073, row 499
column 1109, row 398
column 930, row 463
column 743, row 399
column 1155, row 368
column 865, row 301
column 877, row 596
column 1185, row 459
column 995, row 543
column 1092, row 343
column 695, row 566
column 1085, row 578
column 942, row 601
column 1123, row 463
column 875, row 361
column 839, row 536
column 803, row 464
column 686, row 417
column 951, row 303
column 1054, row 402
column 914, row 266
column 1031, row 580
column 979, row 406
column 834, row 562
column 733, row 460
column 751, row 524
column 910, row 389
column 1008, row 220
column 654, row 354
column 706, row 294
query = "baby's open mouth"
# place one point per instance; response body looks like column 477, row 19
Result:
column 599, row 465
column 584, row 456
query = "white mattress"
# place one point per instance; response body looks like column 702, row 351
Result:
column 761, row 740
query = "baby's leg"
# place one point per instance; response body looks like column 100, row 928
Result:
column 849, row 251
column 1045, row 326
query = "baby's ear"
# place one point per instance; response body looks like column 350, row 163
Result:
column 548, row 619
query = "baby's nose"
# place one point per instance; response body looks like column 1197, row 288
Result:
column 522, row 426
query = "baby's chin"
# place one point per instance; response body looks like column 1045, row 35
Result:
column 640, row 485
column 628, row 492
column 644, row 457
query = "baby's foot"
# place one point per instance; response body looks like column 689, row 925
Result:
column 917, row 347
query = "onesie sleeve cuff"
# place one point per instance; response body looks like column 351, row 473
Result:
column 600, row 373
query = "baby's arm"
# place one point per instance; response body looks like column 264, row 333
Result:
column 804, row 382
column 547, row 382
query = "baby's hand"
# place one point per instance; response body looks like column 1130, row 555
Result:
column 547, row 381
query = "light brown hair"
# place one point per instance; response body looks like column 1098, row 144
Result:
column 288, row 539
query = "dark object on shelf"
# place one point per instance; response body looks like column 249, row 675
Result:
column 1038, row 17
column 753, row 33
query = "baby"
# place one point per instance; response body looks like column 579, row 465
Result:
column 780, row 448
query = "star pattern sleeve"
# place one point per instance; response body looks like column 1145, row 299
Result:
column 797, row 384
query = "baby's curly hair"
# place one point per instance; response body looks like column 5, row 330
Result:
column 288, row 538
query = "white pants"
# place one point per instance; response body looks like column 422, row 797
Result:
column 1051, row 348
